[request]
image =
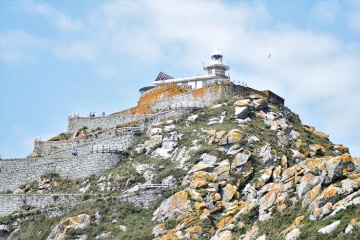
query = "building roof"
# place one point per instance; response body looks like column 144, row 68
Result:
column 163, row 76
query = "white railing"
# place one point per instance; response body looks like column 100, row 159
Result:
column 147, row 186
column 107, row 148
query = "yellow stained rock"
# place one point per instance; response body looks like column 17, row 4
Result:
column 234, row 136
column 198, row 184
column 353, row 221
column 228, row 192
column 170, row 236
column 195, row 231
column 299, row 144
column 261, row 114
column 205, row 214
column 195, row 195
column 205, row 176
column 201, row 167
column 184, row 223
column 321, row 134
column 224, row 221
column 242, row 103
column 199, row 206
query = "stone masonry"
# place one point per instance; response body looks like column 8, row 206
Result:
column 10, row 203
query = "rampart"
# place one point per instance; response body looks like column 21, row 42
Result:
column 14, row 172
column 13, row 202
column 111, row 121
column 197, row 98
column 63, row 149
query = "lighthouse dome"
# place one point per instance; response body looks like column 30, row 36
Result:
column 216, row 52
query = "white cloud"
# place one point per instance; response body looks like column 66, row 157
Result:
column 75, row 51
column 326, row 11
column 60, row 19
column 317, row 72
column 18, row 46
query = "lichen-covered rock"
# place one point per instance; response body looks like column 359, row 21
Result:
column 175, row 207
column 234, row 136
column 78, row 222
column 330, row 194
column 223, row 170
column 252, row 233
column 159, row 229
column 227, row 192
column 240, row 160
column 307, row 182
column 201, row 167
column 311, row 195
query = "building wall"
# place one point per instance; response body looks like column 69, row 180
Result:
column 201, row 97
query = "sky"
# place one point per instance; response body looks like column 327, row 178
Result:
column 62, row 56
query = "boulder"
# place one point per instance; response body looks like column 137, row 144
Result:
column 234, row 136
column 307, row 182
column 159, row 229
column 223, row 170
column 241, row 112
column 240, row 159
column 201, row 167
column 293, row 234
column 175, row 207
column 192, row 118
column 207, row 159
column 78, row 222
column 227, row 192
column 329, row 228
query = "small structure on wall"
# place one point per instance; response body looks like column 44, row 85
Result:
column 215, row 68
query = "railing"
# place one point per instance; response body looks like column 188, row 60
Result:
column 236, row 82
column 107, row 148
column 147, row 186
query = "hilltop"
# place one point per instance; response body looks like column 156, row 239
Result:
column 240, row 166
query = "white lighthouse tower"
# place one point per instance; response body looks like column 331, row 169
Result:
column 215, row 68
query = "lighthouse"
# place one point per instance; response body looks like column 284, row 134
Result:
column 216, row 66
column 216, row 72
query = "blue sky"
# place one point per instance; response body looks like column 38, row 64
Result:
column 61, row 57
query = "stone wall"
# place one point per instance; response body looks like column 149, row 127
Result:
column 144, row 198
column 111, row 121
column 197, row 98
column 64, row 149
column 14, row 172
column 12, row 202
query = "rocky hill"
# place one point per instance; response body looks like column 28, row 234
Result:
column 243, row 168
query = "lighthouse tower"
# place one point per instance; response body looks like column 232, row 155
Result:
column 216, row 66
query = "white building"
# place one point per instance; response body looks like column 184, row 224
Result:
column 215, row 68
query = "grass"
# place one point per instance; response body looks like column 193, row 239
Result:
column 309, row 229
column 135, row 219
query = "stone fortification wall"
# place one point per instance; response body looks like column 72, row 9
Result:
column 14, row 172
column 111, row 121
column 64, row 149
column 12, row 202
column 144, row 198
column 197, row 98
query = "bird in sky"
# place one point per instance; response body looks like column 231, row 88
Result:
column 269, row 56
